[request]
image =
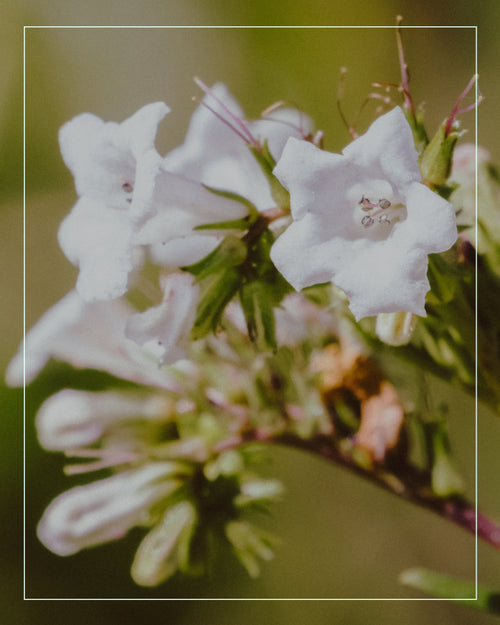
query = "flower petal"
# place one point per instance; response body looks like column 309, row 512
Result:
column 307, row 172
column 215, row 155
column 98, row 239
column 102, row 155
column 87, row 336
column 104, row 510
column 73, row 418
column 385, row 277
column 168, row 324
column 430, row 224
column 387, row 150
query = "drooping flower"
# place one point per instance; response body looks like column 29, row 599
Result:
column 363, row 220
column 87, row 335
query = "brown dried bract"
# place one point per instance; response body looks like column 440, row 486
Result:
column 346, row 371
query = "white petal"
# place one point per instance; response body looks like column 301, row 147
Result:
column 102, row 511
column 102, row 155
column 387, row 150
column 97, row 239
column 214, row 154
column 168, row 324
column 38, row 343
column 184, row 251
column 87, row 336
column 308, row 173
column 430, row 224
column 73, row 418
column 306, row 255
column 277, row 127
column 385, row 278
column 138, row 132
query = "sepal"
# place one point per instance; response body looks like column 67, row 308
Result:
column 436, row 160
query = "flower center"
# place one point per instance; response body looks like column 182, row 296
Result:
column 375, row 208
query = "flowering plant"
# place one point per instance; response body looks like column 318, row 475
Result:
column 248, row 289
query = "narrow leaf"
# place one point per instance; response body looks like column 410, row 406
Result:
column 447, row 587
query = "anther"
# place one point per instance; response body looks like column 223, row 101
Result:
column 383, row 203
column 127, row 187
column 367, row 221
column 365, row 204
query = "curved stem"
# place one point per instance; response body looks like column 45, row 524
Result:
column 408, row 482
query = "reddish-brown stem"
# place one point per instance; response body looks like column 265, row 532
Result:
column 405, row 80
column 406, row 481
column 456, row 110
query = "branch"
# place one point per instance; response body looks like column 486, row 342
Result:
column 409, row 483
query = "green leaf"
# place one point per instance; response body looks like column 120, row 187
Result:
column 216, row 291
column 262, row 291
column 236, row 224
column 230, row 253
column 253, row 212
column 257, row 302
column 443, row 279
column 447, row 587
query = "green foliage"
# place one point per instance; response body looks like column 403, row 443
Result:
column 436, row 160
column 447, row 587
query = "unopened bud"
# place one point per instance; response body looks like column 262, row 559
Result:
column 395, row 328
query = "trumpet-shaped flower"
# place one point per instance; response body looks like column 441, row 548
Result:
column 74, row 418
column 104, row 510
column 87, row 335
column 123, row 186
column 363, row 220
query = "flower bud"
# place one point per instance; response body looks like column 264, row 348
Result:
column 436, row 161
column 74, row 418
column 395, row 328
column 155, row 560
column 104, row 510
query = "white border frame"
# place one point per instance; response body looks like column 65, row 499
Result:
column 241, row 27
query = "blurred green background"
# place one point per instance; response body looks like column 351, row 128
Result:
column 341, row 537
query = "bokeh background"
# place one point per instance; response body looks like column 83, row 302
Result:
column 342, row 538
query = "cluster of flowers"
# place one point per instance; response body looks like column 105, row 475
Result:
column 228, row 223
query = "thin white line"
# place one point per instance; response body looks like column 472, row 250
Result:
column 215, row 27
column 27, row 27
column 24, row 313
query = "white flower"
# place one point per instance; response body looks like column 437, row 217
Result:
column 127, row 201
column 73, row 418
column 114, row 166
column 215, row 155
column 363, row 220
column 87, row 335
column 166, row 327
column 104, row 510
